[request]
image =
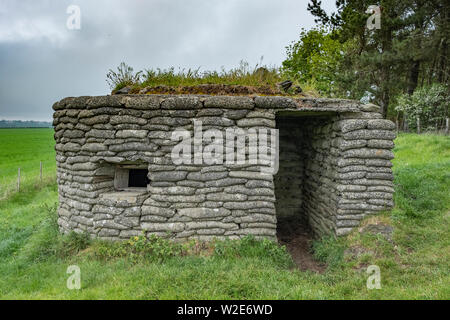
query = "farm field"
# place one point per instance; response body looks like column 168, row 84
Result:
column 414, row 264
column 24, row 149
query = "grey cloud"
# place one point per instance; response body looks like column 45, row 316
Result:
column 41, row 61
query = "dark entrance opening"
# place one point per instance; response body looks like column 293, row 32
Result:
column 138, row 178
column 292, row 190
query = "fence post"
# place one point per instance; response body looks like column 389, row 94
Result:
column 40, row 171
column 18, row 180
column 418, row 125
column 446, row 125
column 397, row 127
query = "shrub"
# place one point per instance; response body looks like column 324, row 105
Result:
column 123, row 77
column 73, row 243
column 316, row 59
column 429, row 103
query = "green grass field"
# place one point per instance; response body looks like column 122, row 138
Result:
column 24, row 149
column 415, row 265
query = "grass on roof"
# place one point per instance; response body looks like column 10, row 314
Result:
column 259, row 76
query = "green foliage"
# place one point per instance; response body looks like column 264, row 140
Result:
column 316, row 59
column 428, row 103
column 409, row 49
column 330, row 251
column 139, row 248
column 249, row 246
column 157, row 249
column 242, row 75
column 259, row 76
column 124, row 76
column 413, row 266
column 72, row 243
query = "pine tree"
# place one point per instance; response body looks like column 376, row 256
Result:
column 409, row 49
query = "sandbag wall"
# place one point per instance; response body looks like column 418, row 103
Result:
column 96, row 135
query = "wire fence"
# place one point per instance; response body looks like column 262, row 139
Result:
column 437, row 129
column 43, row 173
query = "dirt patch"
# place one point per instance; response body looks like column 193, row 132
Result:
column 207, row 89
column 297, row 238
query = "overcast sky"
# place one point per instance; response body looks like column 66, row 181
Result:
column 42, row 61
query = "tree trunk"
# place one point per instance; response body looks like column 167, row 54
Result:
column 442, row 61
column 413, row 76
column 384, row 103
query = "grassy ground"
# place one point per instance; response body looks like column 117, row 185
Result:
column 414, row 265
column 24, row 149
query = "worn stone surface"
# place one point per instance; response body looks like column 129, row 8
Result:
column 334, row 166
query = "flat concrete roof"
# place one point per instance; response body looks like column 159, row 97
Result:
column 187, row 102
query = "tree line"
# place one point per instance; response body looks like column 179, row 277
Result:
column 402, row 66
column 24, row 124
